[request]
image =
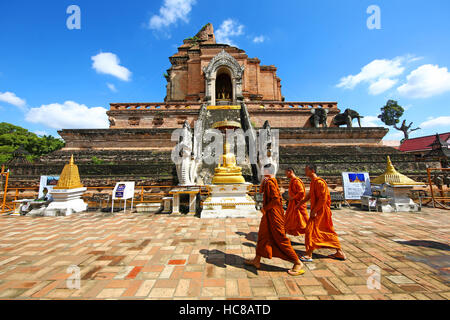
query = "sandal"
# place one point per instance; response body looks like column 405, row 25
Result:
column 296, row 273
column 303, row 259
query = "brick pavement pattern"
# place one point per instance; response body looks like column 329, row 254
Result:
column 132, row 256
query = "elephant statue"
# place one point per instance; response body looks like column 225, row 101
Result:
column 319, row 117
column 346, row 118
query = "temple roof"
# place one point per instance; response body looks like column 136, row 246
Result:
column 439, row 147
column 422, row 143
column 19, row 156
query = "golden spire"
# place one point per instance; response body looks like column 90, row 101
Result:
column 70, row 177
column 393, row 177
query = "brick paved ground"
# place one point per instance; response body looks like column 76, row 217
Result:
column 151, row 257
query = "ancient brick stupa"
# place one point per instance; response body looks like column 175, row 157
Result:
column 211, row 81
column 67, row 193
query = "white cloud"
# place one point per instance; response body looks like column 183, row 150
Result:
column 112, row 87
column 381, row 86
column 426, row 81
column 170, row 12
column 443, row 121
column 109, row 63
column 259, row 39
column 11, row 98
column 69, row 115
column 378, row 73
column 371, row 121
column 394, row 135
column 229, row 28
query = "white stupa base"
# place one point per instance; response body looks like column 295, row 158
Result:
column 397, row 200
column 229, row 201
column 398, row 205
column 66, row 202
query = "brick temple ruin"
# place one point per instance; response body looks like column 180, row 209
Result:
column 205, row 75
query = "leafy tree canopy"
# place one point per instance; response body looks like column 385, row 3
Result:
column 12, row 137
column 391, row 113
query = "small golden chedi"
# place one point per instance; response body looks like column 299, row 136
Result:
column 69, row 178
column 393, row 177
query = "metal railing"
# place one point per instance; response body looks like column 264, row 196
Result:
column 94, row 195
column 443, row 200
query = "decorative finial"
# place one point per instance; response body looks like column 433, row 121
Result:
column 71, row 160
column 390, row 169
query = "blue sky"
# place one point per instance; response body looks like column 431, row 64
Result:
column 52, row 77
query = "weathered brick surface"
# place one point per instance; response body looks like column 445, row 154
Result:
column 151, row 257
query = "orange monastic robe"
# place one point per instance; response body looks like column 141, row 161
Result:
column 319, row 230
column 296, row 218
column 272, row 240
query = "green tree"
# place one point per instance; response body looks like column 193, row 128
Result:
column 390, row 116
column 12, row 137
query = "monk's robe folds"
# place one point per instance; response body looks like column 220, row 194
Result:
column 320, row 230
column 296, row 217
column 272, row 240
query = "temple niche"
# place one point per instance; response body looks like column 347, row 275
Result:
column 224, row 88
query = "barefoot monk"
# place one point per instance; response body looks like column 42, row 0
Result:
column 296, row 215
column 272, row 240
column 320, row 230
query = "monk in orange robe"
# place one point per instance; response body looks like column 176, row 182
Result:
column 272, row 239
column 320, row 230
column 296, row 216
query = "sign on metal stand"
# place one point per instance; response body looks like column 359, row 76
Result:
column 123, row 191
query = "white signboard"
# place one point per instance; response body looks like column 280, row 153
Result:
column 356, row 185
column 123, row 191
column 47, row 182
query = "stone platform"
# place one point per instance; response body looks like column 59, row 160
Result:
column 229, row 201
column 135, row 256
column 101, row 167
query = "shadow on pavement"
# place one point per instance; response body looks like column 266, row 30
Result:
column 426, row 244
column 221, row 259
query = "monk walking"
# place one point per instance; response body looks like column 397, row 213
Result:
column 296, row 216
column 272, row 240
column 319, row 230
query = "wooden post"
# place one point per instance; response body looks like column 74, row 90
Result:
column 15, row 199
column 6, row 188
column 431, row 186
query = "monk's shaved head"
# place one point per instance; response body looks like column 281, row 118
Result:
column 312, row 167
column 269, row 169
column 310, row 170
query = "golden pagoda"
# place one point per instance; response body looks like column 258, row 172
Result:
column 228, row 172
column 393, row 177
column 69, row 178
